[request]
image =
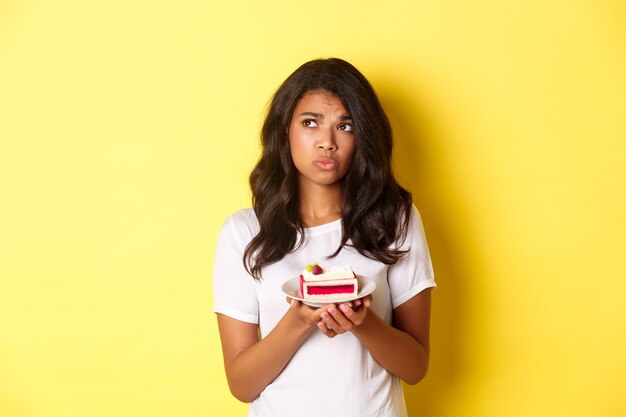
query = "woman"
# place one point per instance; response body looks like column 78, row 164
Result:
column 323, row 190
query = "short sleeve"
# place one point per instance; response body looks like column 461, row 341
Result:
column 234, row 292
column 413, row 273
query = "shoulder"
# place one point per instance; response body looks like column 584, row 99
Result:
column 412, row 229
column 243, row 218
column 242, row 225
column 415, row 219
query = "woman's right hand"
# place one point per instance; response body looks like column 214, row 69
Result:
column 345, row 317
column 315, row 316
column 310, row 316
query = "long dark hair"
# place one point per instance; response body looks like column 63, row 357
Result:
column 375, row 209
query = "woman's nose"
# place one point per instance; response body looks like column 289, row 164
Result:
column 327, row 142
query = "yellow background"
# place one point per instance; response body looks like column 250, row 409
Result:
column 128, row 129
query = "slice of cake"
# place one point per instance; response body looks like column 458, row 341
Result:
column 317, row 283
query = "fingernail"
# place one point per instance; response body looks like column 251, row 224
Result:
column 324, row 315
column 343, row 307
column 293, row 302
column 332, row 310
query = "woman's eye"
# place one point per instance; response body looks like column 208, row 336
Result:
column 345, row 127
column 309, row 123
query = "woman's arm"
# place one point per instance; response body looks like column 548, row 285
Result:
column 402, row 349
column 251, row 364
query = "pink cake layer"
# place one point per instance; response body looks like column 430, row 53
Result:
column 330, row 289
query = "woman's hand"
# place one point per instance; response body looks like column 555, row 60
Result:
column 343, row 318
column 333, row 319
column 309, row 315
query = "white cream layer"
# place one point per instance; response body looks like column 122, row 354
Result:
column 330, row 273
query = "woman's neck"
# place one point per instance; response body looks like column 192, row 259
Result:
column 320, row 204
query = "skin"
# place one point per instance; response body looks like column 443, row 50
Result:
column 322, row 147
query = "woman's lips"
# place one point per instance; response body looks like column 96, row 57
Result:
column 326, row 163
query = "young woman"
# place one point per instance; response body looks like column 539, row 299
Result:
column 324, row 191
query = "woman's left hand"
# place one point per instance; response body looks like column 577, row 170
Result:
column 338, row 319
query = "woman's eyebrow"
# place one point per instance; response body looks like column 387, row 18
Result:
column 312, row 114
column 321, row 116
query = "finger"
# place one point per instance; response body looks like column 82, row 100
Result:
column 340, row 317
column 317, row 313
column 330, row 322
column 326, row 330
column 355, row 316
column 367, row 301
column 347, row 311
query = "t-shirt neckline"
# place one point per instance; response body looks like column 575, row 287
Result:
column 323, row 227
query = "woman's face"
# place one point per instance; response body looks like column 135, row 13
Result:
column 321, row 139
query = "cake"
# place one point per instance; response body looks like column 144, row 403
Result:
column 317, row 283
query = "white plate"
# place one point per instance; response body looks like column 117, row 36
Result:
column 291, row 287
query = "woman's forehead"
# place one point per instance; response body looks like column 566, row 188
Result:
column 321, row 100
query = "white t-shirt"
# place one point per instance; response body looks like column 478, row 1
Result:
column 325, row 377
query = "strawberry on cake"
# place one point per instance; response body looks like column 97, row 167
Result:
column 317, row 283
